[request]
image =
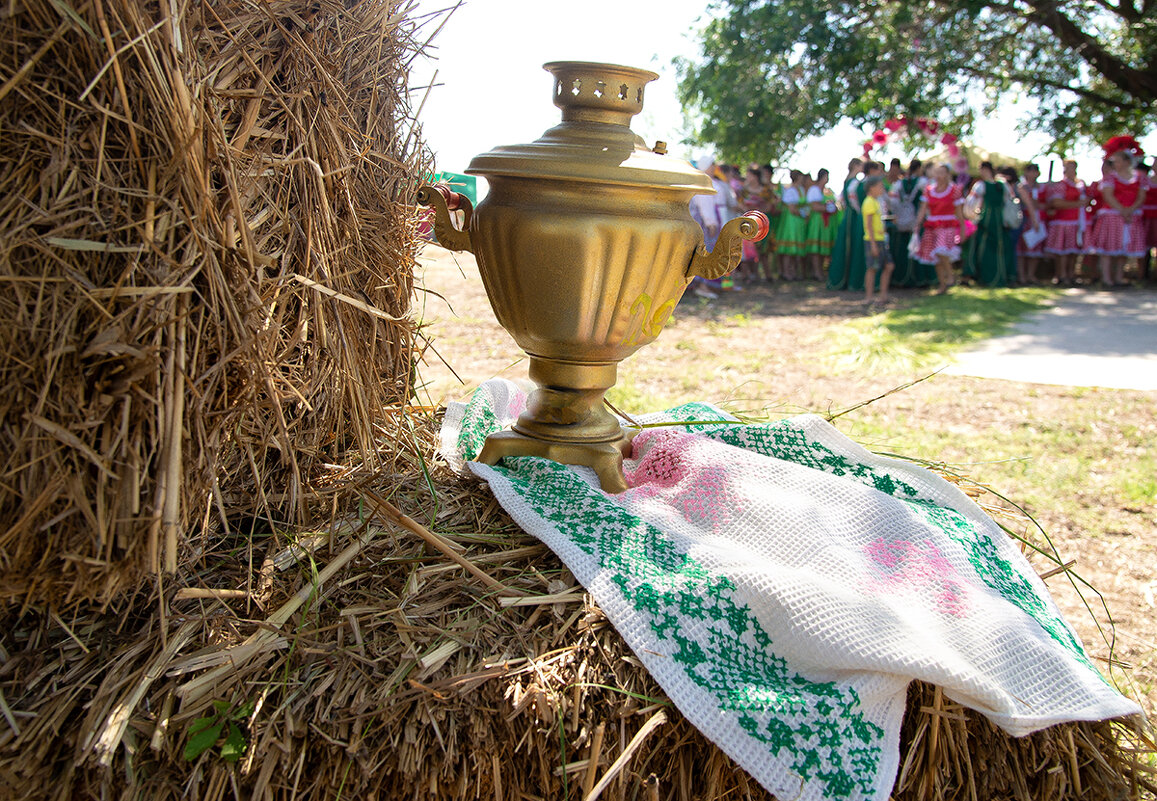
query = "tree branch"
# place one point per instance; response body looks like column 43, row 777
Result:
column 1088, row 94
column 1140, row 83
column 1123, row 9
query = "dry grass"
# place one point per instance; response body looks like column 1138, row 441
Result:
column 205, row 267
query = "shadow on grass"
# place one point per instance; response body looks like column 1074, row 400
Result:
column 924, row 332
column 780, row 299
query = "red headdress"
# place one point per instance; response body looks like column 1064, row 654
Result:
column 1126, row 143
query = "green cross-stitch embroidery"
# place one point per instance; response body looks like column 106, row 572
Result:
column 787, row 441
column 729, row 655
column 998, row 573
column 478, row 422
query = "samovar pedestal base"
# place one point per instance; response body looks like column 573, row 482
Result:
column 605, row 458
column 565, row 421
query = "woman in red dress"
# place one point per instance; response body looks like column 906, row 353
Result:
column 1093, row 189
column 1118, row 232
column 1149, row 212
column 1066, row 199
column 942, row 215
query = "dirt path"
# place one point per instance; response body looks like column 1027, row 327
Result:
column 1068, row 343
column 1077, row 458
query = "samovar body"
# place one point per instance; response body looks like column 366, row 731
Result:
column 595, row 278
column 585, row 245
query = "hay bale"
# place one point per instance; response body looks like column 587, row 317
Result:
column 206, row 257
column 392, row 659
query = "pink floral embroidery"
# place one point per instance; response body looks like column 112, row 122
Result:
column 918, row 565
column 661, row 467
column 517, row 404
column 683, row 469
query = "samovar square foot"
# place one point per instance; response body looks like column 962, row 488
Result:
column 605, row 458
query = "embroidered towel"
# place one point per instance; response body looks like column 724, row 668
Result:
column 784, row 585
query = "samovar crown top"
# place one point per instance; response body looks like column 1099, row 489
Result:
column 586, row 90
column 594, row 143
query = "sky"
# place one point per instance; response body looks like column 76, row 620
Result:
column 487, row 86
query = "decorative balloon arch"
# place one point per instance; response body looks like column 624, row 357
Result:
column 930, row 129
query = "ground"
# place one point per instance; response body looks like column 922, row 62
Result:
column 1081, row 461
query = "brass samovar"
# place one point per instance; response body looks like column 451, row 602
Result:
column 585, row 244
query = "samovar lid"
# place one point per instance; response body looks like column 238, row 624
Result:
column 594, row 143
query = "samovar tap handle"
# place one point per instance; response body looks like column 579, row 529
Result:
column 728, row 250
column 444, row 200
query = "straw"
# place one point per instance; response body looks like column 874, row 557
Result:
column 207, row 243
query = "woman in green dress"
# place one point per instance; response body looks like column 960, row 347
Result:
column 791, row 237
column 847, row 267
column 989, row 259
column 821, row 224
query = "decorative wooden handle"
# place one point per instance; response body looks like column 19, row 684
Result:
column 444, row 200
column 728, row 251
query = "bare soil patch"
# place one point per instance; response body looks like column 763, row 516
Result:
column 1075, row 458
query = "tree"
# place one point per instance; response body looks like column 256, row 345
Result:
column 773, row 72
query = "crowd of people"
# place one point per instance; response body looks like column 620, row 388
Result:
column 923, row 226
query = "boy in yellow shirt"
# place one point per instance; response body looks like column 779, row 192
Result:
column 878, row 255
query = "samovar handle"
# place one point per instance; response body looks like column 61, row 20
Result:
column 728, row 250
column 444, row 200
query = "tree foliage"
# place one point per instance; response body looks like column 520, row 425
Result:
column 773, row 72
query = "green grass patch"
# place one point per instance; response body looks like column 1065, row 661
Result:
column 1138, row 484
column 924, row 332
column 626, row 395
column 744, row 319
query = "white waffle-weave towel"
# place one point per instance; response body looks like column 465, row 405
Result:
column 784, row 585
